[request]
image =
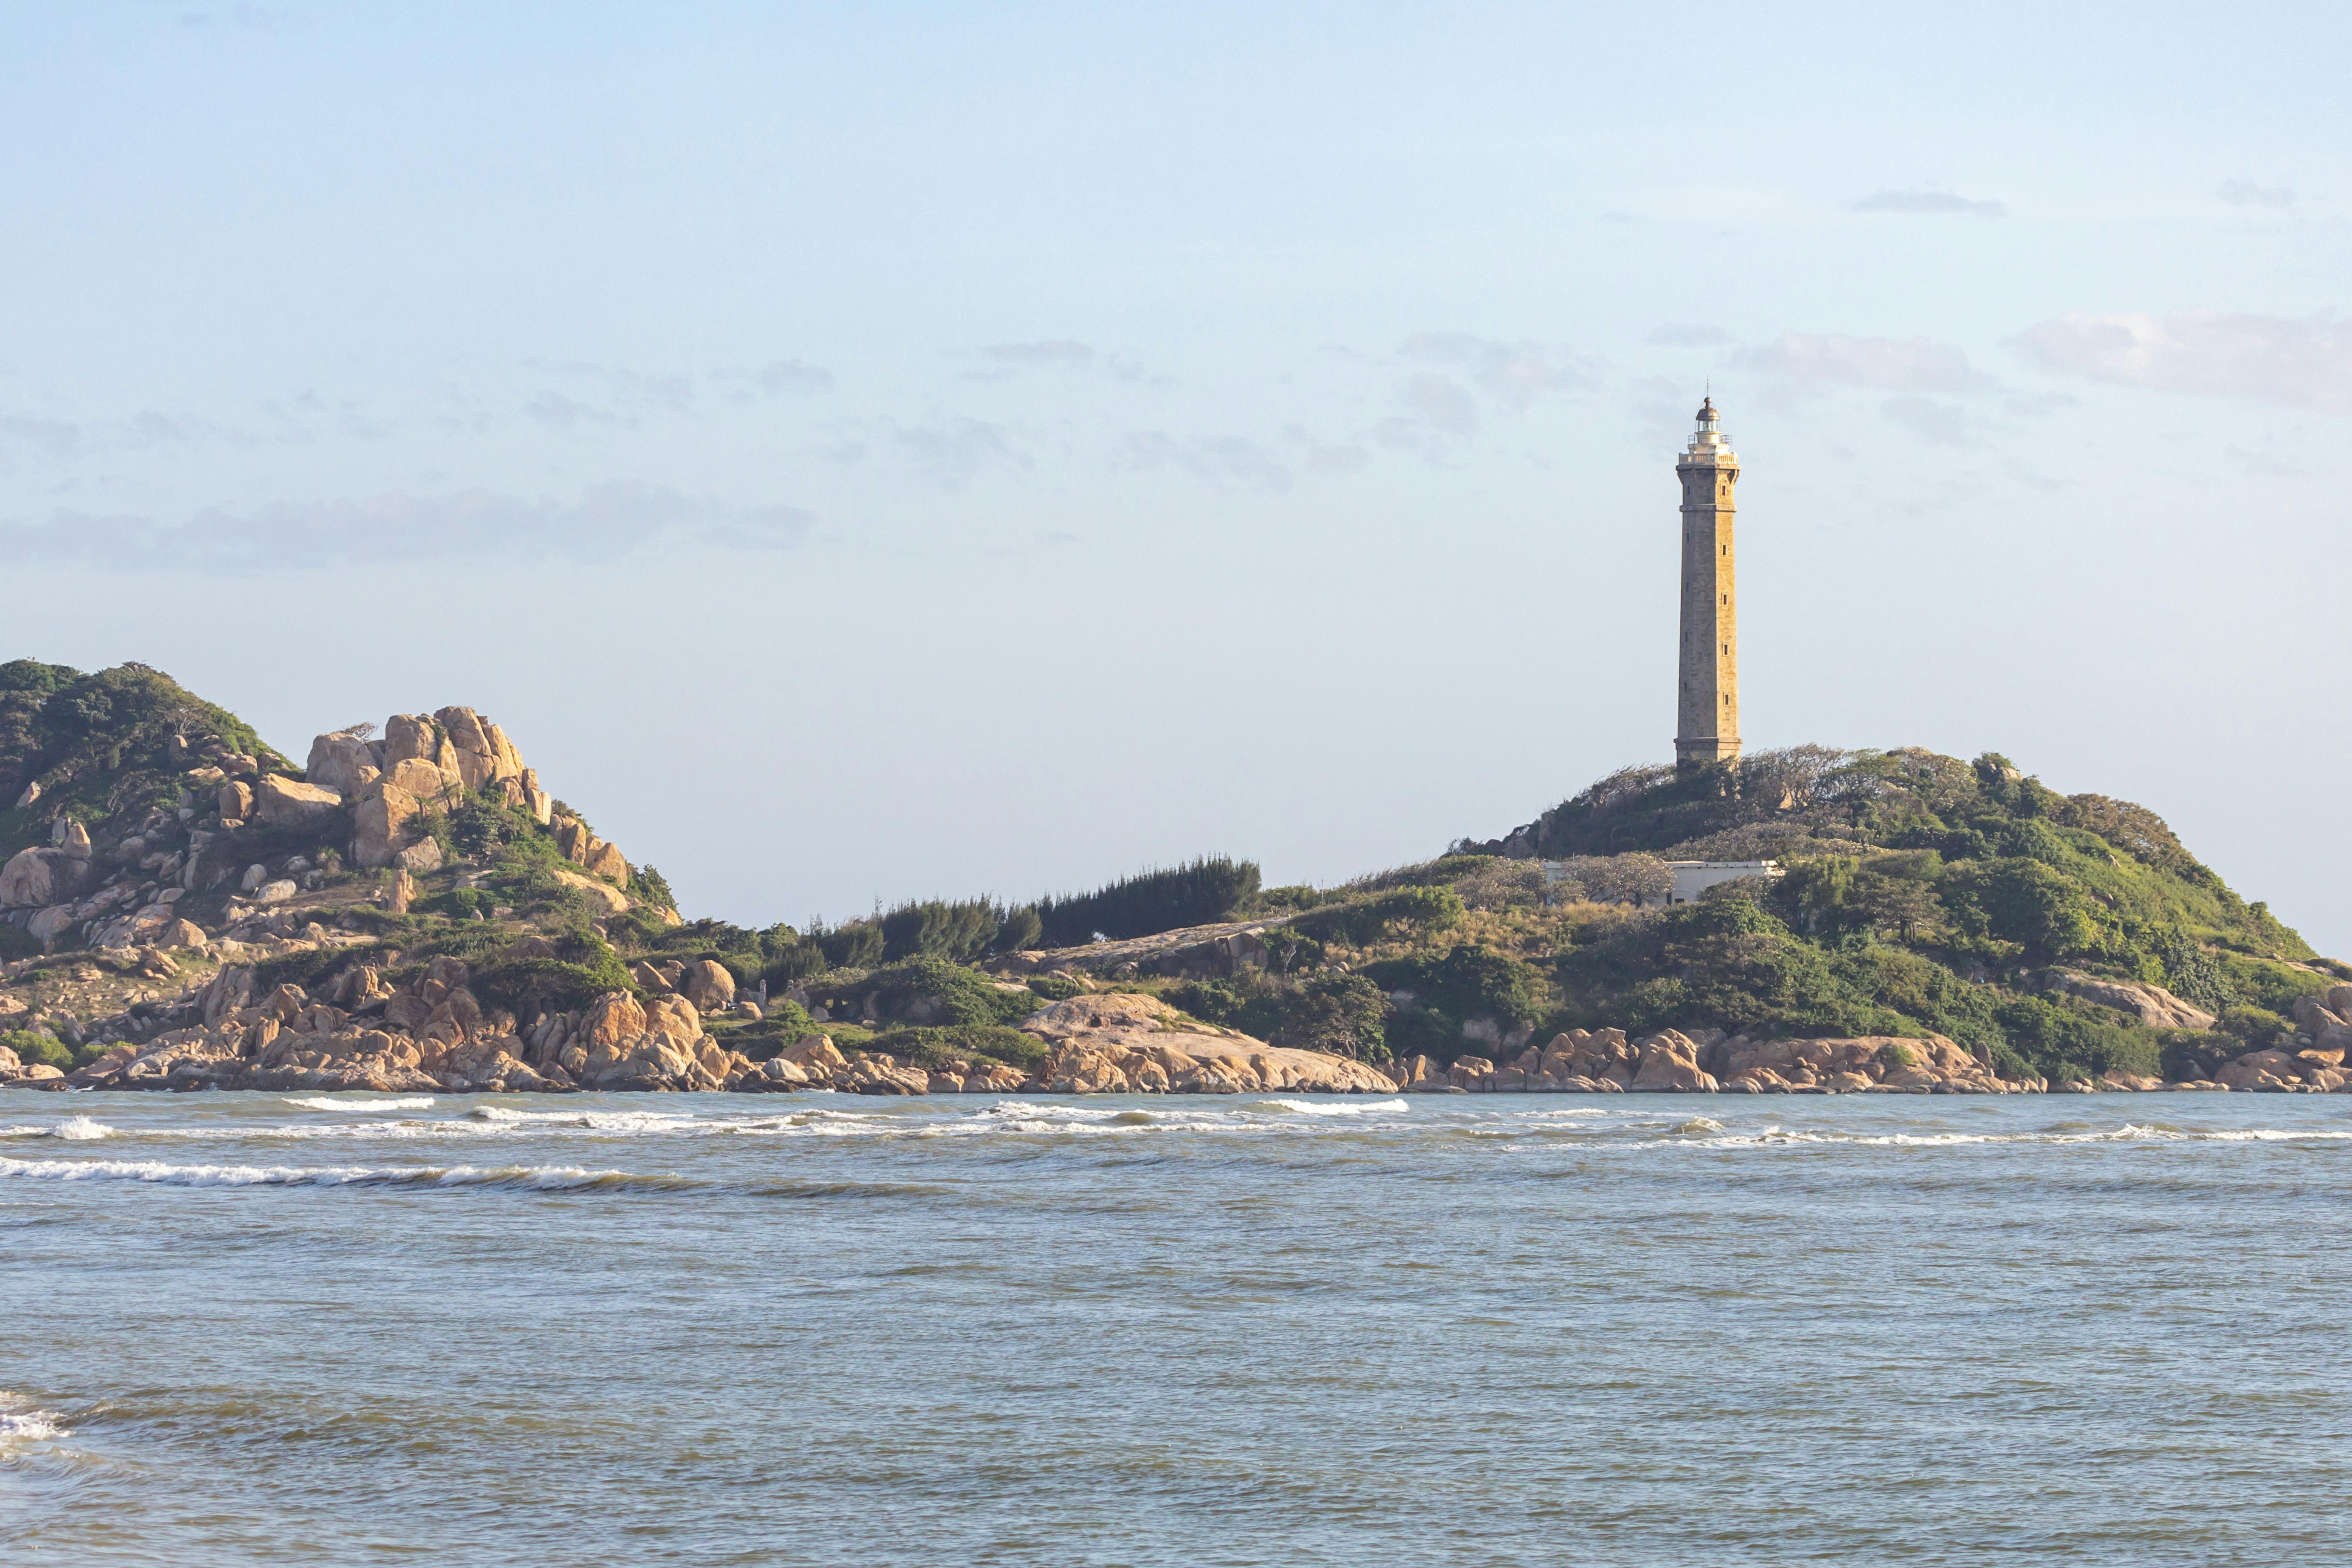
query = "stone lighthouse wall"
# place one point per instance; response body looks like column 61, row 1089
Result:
column 1706, row 711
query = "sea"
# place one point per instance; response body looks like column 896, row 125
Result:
column 1261, row 1329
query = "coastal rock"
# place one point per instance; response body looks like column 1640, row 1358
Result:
column 2152, row 1005
column 233, row 802
column 709, row 986
column 1669, row 1064
column 1127, row 1029
column 282, row 803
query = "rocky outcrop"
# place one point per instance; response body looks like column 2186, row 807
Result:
column 2151, row 1004
column 43, row 876
column 1604, row 1061
column 1121, row 1042
column 283, row 803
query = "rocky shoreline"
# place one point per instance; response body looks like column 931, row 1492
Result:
column 434, row 1034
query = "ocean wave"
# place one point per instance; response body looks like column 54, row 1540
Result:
column 327, row 1102
column 537, row 1178
column 1350, row 1107
column 73, row 1129
column 32, row 1426
column 2129, row 1132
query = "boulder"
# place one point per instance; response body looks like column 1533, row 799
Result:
column 179, row 933
column 1669, row 1064
column 418, row 778
column 709, row 986
column 50, row 924
column 535, row 800
column 410, row 736
column 422, row 857
column 604, row 860
column 233, row 802
column 71, row 836
column 2152, row 1005
column 2264, row 1070
column 612, row 1017
column 282, row 803
column 384, row 825
column 43, row 876
column 339, row 762
column 276, row 892
column 815, row 1054
column 611, row 899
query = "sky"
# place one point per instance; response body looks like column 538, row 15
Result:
column 867, row 453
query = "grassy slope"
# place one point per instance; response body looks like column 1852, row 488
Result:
column 1925, row 894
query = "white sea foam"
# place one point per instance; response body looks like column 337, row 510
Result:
column 74, row 1128
column 323, row 1102
column 162, row 1173
column 1333, row 1107
column 31, row 1426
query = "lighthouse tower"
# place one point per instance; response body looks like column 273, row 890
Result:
column 1707, row 706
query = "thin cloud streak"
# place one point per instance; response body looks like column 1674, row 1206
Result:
column 2304, row 362
column 608, row 522
column 1929, row 203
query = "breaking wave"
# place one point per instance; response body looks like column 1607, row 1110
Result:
column 73, row 1130
column 326, row 1102
column 535, row 1178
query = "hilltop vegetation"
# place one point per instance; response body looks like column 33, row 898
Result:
column 1921, row 894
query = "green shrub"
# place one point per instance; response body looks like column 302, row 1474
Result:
column 949, row 992
column 933, row 1048
column 790, row 965
column 958, row 933
column 2072, row 1039
column 1208, row 889
column 1055, row 987
column 647, row 883
column 1467, row 981
column 858, row 945
column 1424, row 911
column 34, row 1049
column 1344, row 1015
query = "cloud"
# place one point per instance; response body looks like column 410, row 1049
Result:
column 954, row 452
column 1064, row 353
column 1513, row 374
column 793, row 375
column 1927, row 204
column 1059, row 351
column 1686, row 335
column 2245, row 193
column 1220, row 460
column 1889, row 365
column 627, row 395
column 1930, row 419
column 608, row 522
column 145, row 431
column 2300, row 362
column 1435, row 411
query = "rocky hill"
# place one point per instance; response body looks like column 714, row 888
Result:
column 180, row 906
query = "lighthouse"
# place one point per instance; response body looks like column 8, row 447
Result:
column 1706, row 705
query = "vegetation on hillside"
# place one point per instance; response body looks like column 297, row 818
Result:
column 1921, row 894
